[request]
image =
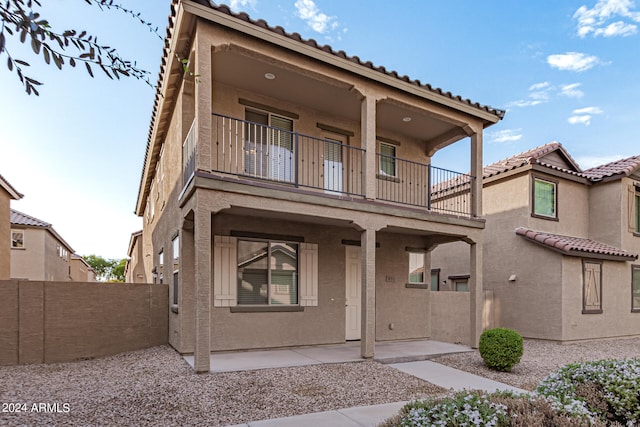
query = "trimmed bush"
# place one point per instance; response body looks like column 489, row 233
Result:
column 501, row 348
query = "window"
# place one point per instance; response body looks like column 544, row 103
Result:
column 17, row 239
column 175, row 249
column 161, row 263
column 591, row 287
column 544, row 198
column 635, row 288
column 637, row 211
column 416, row 267
column 460, row 283
column 387, row 159
column 435, row 279
column 268, row 149
column 267, row 272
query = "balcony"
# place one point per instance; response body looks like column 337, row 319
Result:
column 290, row 159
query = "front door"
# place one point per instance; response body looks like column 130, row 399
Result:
column 353, row 285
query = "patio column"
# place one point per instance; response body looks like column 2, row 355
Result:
column 203, row 103
column 368, row 135
column 476, row 294
column 203, row 291
column 368, row 292
column 476, row 170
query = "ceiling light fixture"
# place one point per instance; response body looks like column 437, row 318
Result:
column 406, row 119
column 269, row 76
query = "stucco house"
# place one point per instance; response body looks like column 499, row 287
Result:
column 285, row 192
column 38, row 252
column 80, row 270
column 561, row 247
column 134, row 268
column 7, row 193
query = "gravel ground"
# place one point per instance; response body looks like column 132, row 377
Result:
column 156, row 387
column 540, row 358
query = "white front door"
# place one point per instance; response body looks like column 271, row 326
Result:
column 353, row 285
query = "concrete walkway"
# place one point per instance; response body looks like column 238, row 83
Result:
column 386, row 352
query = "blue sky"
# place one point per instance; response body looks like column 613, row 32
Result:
column 565, row 71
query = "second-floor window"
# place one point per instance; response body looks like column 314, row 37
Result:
column 545, row 202
column 17, row 239
column 387, row 159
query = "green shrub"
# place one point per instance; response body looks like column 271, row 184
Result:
column 501, row 348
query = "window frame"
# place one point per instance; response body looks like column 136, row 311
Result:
column 269, row 242
column 454, row 280
column 424, row 264
column 635, row 269
column 584, row 287
column 175, row 257
column 435, row 271
column 22, row 245
column 160, row 266
column 637, row 211
column 393, row 159
column 555, row 184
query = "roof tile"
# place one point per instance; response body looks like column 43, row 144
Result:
column 19, row 218
column 575, row 246
column 623, row 166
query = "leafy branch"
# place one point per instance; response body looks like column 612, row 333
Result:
column 66, row 48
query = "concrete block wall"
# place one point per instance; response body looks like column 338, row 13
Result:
column 46, row 322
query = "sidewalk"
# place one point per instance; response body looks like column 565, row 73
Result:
column 432, row 372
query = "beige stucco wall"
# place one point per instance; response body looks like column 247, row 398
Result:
column 447, row 310
column 70, row 321
column 28, row 262
column 5, row 235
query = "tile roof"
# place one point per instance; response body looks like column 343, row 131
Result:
column 619, row 167
column 9, row 189
column 19, row 218
column 532, row 156
column 576, row 246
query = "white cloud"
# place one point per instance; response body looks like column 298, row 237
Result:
column 506, row 135
column 596, row 20
column 583, row 116
column 539, row 86
column 318, row 21
column 573, row 61
column 238, row 5
column 539, row 93
column 587, row 162
column 571, row 90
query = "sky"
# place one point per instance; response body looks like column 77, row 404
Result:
column 564, row 71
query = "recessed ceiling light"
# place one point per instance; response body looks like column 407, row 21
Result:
column 269, row 76
column 406, row 119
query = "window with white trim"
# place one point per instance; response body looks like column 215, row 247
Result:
column 545, row 201
column 267, row 272
column 161, row 265
column 17, row 239
column 416, row 268
column 175, row 249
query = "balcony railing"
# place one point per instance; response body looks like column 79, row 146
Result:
column 254, row 150
column 257, row 151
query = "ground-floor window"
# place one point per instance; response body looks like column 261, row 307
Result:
column 435, row 279
column 635, row 288
column 591, row 287
column 416, row 268
column 267, row 272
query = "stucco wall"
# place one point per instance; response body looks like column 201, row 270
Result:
column 28, row 262
column 449, row 316
column 44, row 322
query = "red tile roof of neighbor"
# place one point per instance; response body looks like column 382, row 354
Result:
column 619, row 167
column 575, row 246
column 532, row 156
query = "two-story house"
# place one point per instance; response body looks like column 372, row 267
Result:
column 561, row 247
column 38, row 252
column 7, row 193
column 134, row 269
column 286, row 191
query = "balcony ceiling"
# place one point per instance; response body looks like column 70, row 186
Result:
column 317, row 92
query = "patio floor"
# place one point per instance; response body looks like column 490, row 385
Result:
column 385, row 352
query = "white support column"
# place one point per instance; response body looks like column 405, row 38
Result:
column 368, row 294
column 203, row 289
column 476, row 294
column 203, row 102
column 368, row 132
column 476, row 171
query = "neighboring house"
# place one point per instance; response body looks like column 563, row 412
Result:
column 134, row 269
column 38, row 252
column 561, row 247
column 80, row 270
column 286, row 192
column 7, row 193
